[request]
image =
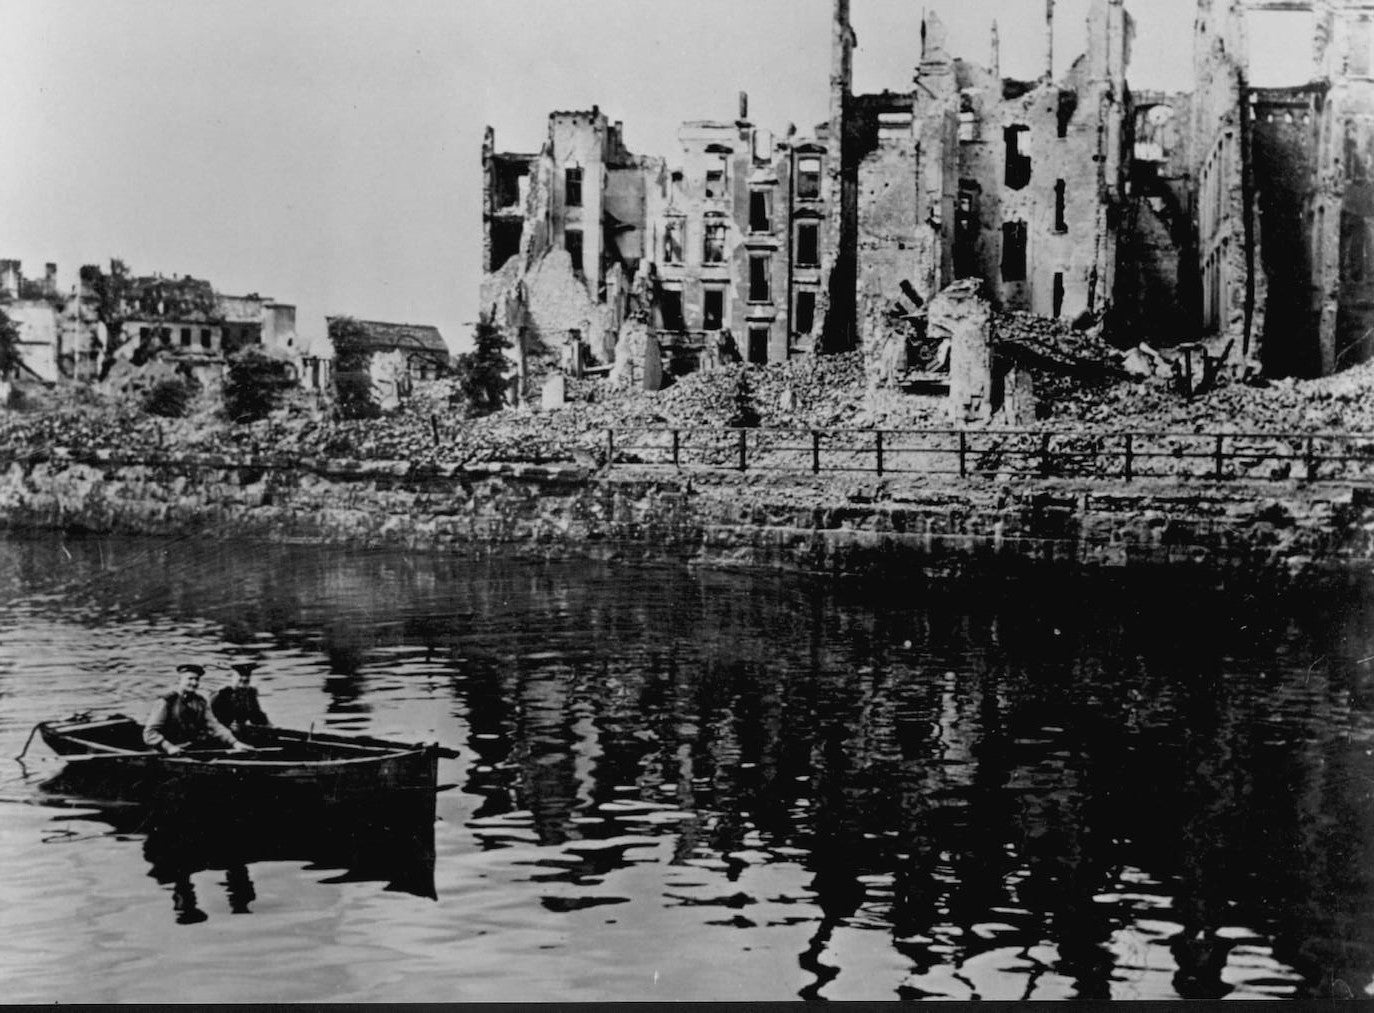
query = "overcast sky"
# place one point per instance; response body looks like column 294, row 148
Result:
column 327, row 152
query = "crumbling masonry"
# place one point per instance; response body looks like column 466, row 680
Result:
column 1236, row 215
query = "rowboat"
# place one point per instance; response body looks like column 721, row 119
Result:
column 107, row 758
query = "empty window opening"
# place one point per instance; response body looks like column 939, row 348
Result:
column 673, row 234
column 1068, row 105
column 713, row 309
column 506, row 237
column 808, row 178
column 165, row 333
column 713, row 246
column 763, row 145
column 572, row 186
column 1013, row 251
column 966, row 230
column 760, row 211
column 1059, row 199
column 760, row 285
column 1280, row 45
column 715, row 179
column 894, row 125
column 1354, row 248
column 1018, row 168
column 186, row 337
column 670, row 309
column 205, row 339
column 1058, row 310
column 808, row 244
column 758, row 346
column 510, row 184
column 572, row 242
column 1355, row 171
column 968, row 118
column 804, row 319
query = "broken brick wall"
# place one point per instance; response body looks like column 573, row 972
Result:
column 879, row 135
column 1346, row 182
column 1354, row 328
column 1157, row 292
column 1284, row 147
column 963, row 317
column 1228, row 247
column 1018, row 184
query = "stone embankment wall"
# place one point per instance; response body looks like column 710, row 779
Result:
column 822, row 523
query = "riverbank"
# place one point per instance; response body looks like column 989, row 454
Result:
column 827, row 523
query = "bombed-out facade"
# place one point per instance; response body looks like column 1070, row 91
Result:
column 1235, row 215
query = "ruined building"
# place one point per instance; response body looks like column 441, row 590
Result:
column 970, row 175
column 760, row 245
column 720, row 253
column 76, row 333
column 1235, row 214
column 1283, row 188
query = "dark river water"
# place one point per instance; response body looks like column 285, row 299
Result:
column 700, row 785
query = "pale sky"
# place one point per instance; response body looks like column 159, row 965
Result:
column 328, row 152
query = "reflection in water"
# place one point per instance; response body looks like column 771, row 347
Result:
column 1058, row 788
column 383, row 839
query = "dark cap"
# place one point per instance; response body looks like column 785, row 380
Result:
column 193, row 669
column 244, row 667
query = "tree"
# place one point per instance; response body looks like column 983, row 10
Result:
column 254, row 384
column 10, row 359
column 481, row 373
column 352, row 369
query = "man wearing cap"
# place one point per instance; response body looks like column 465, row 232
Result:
column 182, row 718
column 237, row 706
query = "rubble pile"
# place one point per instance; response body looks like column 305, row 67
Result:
column 820, row 392
column 1340, row 403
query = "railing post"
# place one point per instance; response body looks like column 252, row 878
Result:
column 1044, row 453
column 963, row 454
column 743, row 450
column 815, row 452
column 610, row 446
column 1310, row 461
column 878, row 450
column 1220, row 459
column 1130, row 457
column 676, row 449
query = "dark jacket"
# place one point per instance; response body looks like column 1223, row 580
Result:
column 181, row 719
column 235, row 706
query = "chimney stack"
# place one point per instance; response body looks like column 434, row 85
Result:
column 1049, row 40
column 744, row 105
column 50, row 279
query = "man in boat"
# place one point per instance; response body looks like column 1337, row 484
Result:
column 182, row 718
column 236, row 707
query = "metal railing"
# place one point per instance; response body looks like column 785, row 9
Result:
column 967, row 453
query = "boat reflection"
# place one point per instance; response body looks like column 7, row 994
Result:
column 387, row 840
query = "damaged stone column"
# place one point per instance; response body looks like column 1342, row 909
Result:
column 961, row 316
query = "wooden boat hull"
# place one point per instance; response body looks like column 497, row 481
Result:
column 107, row 759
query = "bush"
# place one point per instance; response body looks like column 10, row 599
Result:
column 170, row 398
column 745, row 414
column 254, row 385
